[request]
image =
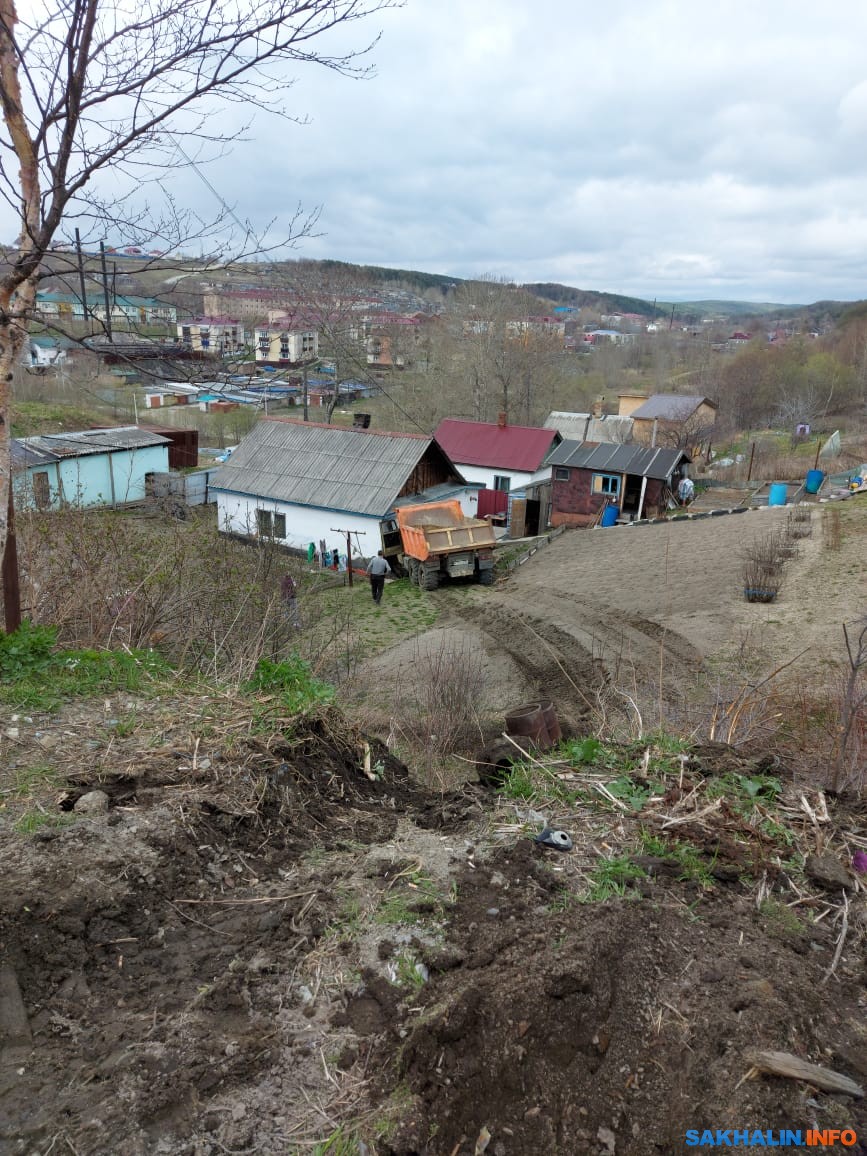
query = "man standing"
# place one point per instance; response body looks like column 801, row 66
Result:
column 686, row 491
column 377, row 570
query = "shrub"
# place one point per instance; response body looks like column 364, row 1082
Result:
column 292, row 681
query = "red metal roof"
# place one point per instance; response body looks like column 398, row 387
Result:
column 508, row 447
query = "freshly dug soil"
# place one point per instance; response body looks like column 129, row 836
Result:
column 616, row 1027
column 219, row 963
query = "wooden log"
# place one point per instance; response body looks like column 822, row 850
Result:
column 793, row 1068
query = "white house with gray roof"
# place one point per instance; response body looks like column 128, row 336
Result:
column 300, row 482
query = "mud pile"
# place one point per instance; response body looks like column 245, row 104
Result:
column 616, row 1027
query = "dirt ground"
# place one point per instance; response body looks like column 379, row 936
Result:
column 657, row 608
column 252, row 946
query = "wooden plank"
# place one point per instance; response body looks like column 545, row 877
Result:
column 794, row 1068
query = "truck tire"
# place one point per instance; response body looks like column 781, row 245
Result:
column 428, row 579
column 486, row 577
column 413, row 571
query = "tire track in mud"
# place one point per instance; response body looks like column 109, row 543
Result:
column 554, row 661
column 618, row 636
column 567, row 648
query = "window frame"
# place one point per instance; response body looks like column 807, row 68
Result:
column 270, row 523
column 612, row 490
column 499, row 479
column 562, row 473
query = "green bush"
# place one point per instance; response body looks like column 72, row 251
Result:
column 292, row 680
column 26, row 651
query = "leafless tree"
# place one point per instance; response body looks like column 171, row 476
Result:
column 89, row 87
column 853, row 726
column 687, row 428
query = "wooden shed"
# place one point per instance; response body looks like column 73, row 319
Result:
column 587, row 476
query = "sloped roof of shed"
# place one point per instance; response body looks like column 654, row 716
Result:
column 81, row 443
column 492, row 446
column 308, row 464
column 585, row 427
column 671, row 406
column 640, row 461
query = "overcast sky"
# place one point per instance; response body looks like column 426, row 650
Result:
column 664, row 148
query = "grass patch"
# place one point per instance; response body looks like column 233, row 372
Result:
column 612, row 879
column 35, row 675
column 408, row 972
column 694, row 867
column 32, row 821
column 780, row 917
column 31, row 780
column 291, row 683
column 339, row 1143
column 419, row 903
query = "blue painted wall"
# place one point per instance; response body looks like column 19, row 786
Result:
column 87, row 481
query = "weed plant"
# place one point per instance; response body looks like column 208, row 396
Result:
column 37, row 675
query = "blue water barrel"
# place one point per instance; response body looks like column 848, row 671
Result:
column 778, row 494
column 814, row 481
column 610, row 515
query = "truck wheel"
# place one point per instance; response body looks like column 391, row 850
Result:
column 413, row 572
column 486, row 577
column 428, row 579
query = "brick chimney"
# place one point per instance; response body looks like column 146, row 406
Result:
column 502, row 419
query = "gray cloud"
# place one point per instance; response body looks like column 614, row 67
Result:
column 666, row 148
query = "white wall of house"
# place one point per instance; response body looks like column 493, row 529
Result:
column 236, row 514
column 518, row 479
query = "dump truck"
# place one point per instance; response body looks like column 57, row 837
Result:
column 436, row 540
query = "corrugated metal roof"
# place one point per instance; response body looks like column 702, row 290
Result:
column 508, row 447
column 25, row 453
column 640, row 461
column 584, row 427
column 91, row 441
column 671, row 406
column 358, row 471
column 437, row 493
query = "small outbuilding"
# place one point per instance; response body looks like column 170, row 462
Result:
column 587, row 476
column 96, row 467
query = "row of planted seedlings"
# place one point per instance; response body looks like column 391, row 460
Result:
column 766, row 557
column 656, row 808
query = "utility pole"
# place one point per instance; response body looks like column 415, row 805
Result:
column 105, row 290
column 81, row 275
column 11, row 576
column 349, row 533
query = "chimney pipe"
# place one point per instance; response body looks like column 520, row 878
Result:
column 502, row 419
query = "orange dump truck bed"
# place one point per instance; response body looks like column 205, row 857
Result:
column 441, row 528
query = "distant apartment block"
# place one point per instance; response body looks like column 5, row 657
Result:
column 218, row 335
column 285, row 346
column 124, row 310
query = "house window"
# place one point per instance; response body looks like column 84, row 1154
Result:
column 502, row 482
column 270, row 525
column 561, row 474
column 607, row 484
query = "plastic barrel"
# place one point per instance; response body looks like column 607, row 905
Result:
column 814, row 481
column 778, row 494
column 527, row 721
column 552, row 723
column 610, row 515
